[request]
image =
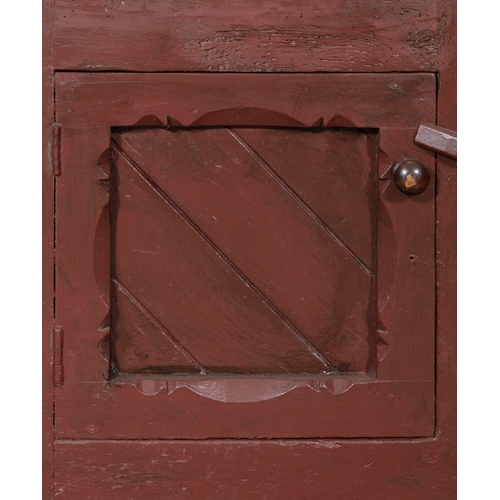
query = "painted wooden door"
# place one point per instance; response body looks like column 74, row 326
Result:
column 244, row 300
column 237, row 262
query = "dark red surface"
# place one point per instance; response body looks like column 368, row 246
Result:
column 47, row 253
column 240, row 36
column 438, row 139
column 446, row 244
column 401, row 360
column 394, row 100
column 408, row 469
column 234, row 263
column 110, row 431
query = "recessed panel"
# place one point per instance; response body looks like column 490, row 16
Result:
column 243, row 251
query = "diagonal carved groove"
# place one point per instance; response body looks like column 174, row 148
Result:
column 293, row 329
column 158, row 325
column 301, row 202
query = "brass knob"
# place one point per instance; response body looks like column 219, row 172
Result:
column 410, row 176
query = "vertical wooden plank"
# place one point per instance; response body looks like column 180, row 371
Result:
column 82, row 252
column 47, row 250
column 446, row 247
column 446, row 250
column 406, row 261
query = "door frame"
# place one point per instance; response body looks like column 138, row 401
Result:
column 90, row 404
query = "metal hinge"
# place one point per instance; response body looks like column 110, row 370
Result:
column 56, row 150
column 57, row 356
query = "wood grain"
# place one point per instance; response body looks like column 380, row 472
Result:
column 446, row 243
column 446, row 271
column 331, row 172
column 437, row 139
column 83, row 294
column 262, row 36
column 48, row 292
column 407, row 325
column 139, row 346
column 399, row 403
column 355, row 470
column 193, row 292
column 121, row 410
column 352, row 100
column 299, row 36
column 261, row 226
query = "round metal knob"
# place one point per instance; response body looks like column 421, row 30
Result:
column 411, row 176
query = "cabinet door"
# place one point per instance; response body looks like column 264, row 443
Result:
column 234, row 259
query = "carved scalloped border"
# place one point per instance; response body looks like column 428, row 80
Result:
column 235, row 390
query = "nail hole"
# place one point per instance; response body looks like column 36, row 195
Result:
column 412, row 258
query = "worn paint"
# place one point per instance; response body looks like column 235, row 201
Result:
column 379, row 36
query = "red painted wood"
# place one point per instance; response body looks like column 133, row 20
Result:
column 199, row 299
column 138, row 346
column 446, row 250
column 279, row 247
column 446, row 340
column 108, row 413
column 307, row 409
column 352, row 100
column 392, row 470
column 47, row 254
column 409, row 335
column 331, row 172
column 140, row 37
column 405, row 352
column 438, row 139
column 300, row 36
column 82, row 287
column 447, row 96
